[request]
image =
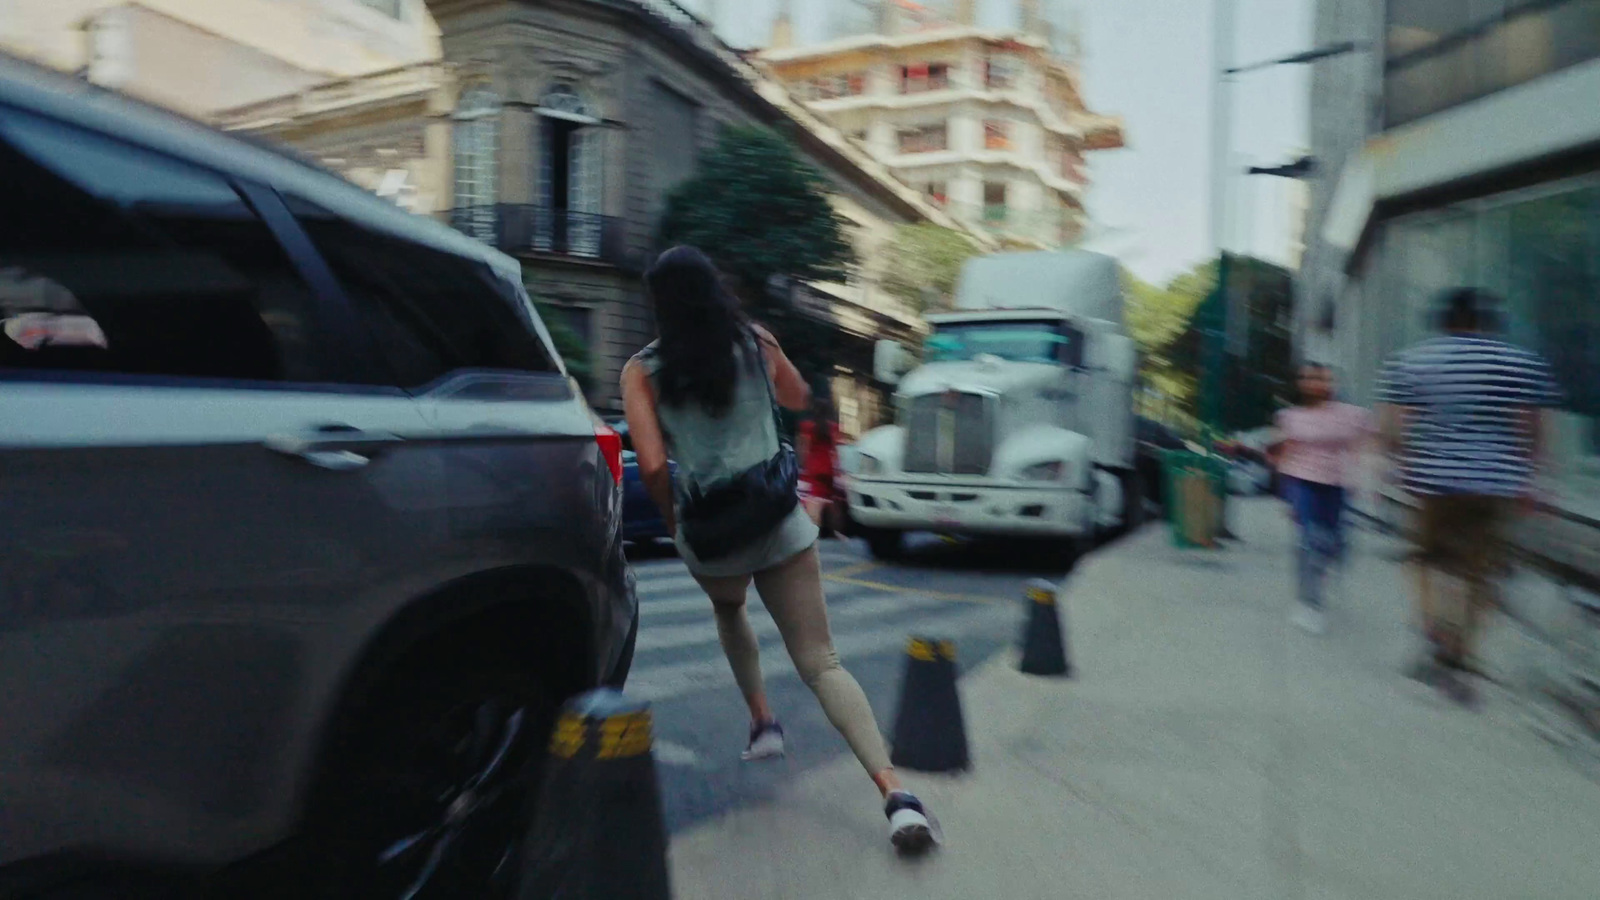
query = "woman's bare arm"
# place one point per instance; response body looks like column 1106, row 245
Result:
column 649, row 445
column 793, row 392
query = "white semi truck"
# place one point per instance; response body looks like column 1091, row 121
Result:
column 1018, row 419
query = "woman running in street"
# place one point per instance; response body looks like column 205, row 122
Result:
column 703, row 394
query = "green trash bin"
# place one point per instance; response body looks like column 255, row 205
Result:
column 1195, row 486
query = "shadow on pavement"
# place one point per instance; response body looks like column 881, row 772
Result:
column 995, row 556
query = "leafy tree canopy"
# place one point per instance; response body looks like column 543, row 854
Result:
column 568, row 342
column 759, row 209
column 924, row 263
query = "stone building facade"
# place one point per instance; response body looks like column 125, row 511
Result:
column 572, row 122
column 388, row 132
column 200, row 56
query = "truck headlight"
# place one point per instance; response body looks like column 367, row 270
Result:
column 1045, row 471
column 868, row 465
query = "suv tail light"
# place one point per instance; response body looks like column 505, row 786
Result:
column 610, row 444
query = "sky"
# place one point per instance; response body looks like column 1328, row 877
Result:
column 1149, row 61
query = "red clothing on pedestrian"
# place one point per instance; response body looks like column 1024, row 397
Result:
column 822, row 458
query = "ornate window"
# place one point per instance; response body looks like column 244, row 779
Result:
column 477, row 129
column 570, row 174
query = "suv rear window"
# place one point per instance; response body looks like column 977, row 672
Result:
column 117, row 259
column 431, row 312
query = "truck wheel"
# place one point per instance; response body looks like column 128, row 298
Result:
column 886, row 545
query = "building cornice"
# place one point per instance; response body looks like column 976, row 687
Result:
column 892, row 42
column 345, row 97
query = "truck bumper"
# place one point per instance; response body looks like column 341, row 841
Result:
column 970, row 508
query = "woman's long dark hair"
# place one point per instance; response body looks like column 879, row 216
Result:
column 704, row 336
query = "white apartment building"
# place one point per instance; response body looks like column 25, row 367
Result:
column 988, row 124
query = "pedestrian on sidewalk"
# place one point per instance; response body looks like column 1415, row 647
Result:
column 1462, row 414
column 707, row 395
column 817, row 441
column 1316, row 445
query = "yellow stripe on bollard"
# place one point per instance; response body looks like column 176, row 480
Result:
column 567, row 738
column 923, row 650
column 1042, row 595
column 625, row 735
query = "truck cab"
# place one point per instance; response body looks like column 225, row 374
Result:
column 1015, row 421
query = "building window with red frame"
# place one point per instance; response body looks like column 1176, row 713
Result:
column 996, row 135
column 920, row 78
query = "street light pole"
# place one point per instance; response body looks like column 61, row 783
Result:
column 1233, row 327
column 1221, row 140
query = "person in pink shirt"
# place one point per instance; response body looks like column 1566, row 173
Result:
column 1316, row 448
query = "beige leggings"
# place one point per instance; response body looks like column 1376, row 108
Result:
column 792, row 593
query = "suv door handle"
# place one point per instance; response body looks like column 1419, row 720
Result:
column 335, row 448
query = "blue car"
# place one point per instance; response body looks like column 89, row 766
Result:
column 641, row 519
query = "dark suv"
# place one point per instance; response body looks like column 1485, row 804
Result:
column 304, row 530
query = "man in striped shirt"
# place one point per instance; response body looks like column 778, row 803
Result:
column 1464, row 412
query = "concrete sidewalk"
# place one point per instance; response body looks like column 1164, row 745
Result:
column 1206, row 749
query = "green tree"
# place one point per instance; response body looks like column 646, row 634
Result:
column 1157, row 318
column 762, row 212
column 568, row 343
column 924, row 263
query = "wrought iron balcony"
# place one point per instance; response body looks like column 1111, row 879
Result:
column 524, row 228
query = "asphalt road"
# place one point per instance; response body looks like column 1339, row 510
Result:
column 970, row 592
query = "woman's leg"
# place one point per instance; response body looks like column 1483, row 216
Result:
column 739, row 641
column 792, row 592
column 1298, row 494
column 1322, row 536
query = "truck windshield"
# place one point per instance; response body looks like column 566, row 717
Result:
column 1048, row 342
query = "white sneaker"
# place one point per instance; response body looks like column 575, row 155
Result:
column 1311, row 621
column 911, row 829
column 766, row 741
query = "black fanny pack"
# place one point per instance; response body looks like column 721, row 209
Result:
column 719, row 521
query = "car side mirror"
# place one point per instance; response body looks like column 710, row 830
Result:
column 890, row 361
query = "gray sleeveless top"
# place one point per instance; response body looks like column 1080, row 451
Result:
column 712, row 449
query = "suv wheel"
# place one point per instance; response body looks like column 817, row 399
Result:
column 435, row 790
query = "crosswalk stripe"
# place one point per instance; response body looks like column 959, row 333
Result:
column 663, row 637
column 662, row 585
column 660, row 581
column 663, row 682
column 657, row 606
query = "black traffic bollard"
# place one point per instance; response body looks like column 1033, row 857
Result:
column 1044, row 646
column 598, row 833
column 929, row 733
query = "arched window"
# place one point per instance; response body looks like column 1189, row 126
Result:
column 476, row 185
column 570, row 165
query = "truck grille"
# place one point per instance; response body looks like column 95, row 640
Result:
column 950, row 433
